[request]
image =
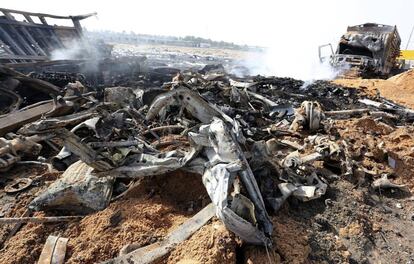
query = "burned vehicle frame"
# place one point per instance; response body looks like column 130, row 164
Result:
column 33, row 38
column 370, row 48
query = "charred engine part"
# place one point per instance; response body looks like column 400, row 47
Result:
column 58, row 105
column 308, row 116
column 295, row 160
column 64, row 158
column 323, row 147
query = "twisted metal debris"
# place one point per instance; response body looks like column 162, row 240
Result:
column 255, row 141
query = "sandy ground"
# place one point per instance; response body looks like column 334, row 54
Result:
column 399, row 88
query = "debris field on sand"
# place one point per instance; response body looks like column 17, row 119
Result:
column 129, row 160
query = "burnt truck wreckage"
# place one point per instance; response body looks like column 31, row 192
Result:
column 31, row 37
column 255, row 141
column 371, row 49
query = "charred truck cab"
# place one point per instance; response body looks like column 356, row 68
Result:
column 371, row 49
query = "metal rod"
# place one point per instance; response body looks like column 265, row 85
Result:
column 161, row 128
column 409, row 39
column 3, row 10
column 50, row 219
column 113, row 144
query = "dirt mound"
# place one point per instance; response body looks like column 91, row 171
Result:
column 170, row 199
column 291, row 240
column 400, row 147
column 151, row 210
column 381, row 148
column 123, row 222
column 27, row 244
column 213, row 243
column 405, row 79
column 399, row 88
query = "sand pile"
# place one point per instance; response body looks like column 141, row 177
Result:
column 399, row 88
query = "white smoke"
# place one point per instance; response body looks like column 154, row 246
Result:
column 78, row 49
column 297, row 61
column 75, row 49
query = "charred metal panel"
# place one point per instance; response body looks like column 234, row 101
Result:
column 29, row 41
column 370, row 47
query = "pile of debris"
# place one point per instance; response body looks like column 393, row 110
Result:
column 254, row 142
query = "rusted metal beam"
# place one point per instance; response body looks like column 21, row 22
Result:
column 21, row 41
column 41, row 37
column 8, row 15
column 32, row 41
column 22, row 57
column 78, row 27
column 15, row 120
column 19, row 23
column 79, row 17
column 43, row 20
column 28, row 18
column 41, row 31
column 23, row 27
column 5, row 47
column 55, row 38
column 10, row 41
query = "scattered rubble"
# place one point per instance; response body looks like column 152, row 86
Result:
column 138, row 158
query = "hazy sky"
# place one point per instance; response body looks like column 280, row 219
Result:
column 292, row 28
column 251, row 21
